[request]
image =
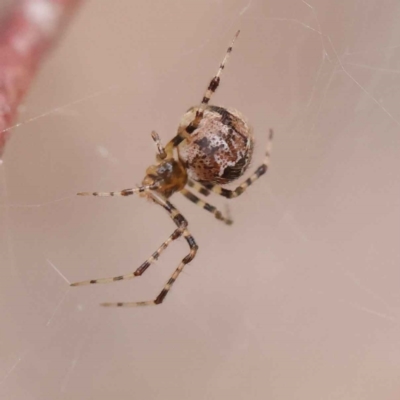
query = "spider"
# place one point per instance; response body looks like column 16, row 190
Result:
column 213, row 147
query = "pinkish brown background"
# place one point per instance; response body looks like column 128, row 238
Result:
column 299, row 299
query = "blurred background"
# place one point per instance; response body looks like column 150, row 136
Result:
column 299, row 299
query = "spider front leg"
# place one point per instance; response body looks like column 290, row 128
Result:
column 175, row 235
column 261, row 170
column 181, row 222
column 125, row 192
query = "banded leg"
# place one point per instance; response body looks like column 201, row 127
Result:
column 206, row 206
column 181, row 222
column 175, row 235
column 198, row 187
column 261, row 170
column 125, row 192
column 167, row 287
column 214, row 83
column 212, row 87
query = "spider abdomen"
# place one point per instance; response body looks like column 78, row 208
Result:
column 220, row 149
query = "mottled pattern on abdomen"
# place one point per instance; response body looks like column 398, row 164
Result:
column 220, row 149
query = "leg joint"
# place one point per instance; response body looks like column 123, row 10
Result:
column 180, row 221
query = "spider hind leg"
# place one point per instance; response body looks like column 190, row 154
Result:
column 212, row 87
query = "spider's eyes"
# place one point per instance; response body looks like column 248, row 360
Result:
column 164, row 168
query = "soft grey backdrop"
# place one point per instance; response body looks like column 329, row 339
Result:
column 299, row 299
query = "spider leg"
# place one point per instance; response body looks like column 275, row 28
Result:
column 206, row 206
column 214, row 83
column 125, row 192
column 175, row 235
column 212, row 87
column 198, row 187
column 181, row 222
column 261, row 170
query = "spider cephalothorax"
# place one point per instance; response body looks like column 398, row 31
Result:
column 167, row 177
column 214, row 146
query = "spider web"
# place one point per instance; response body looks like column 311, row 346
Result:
column 303, row 288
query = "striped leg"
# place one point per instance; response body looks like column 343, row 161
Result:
column 125, row 192
column 198, row 187
column 212, row 87
column 217, row 214
column 214, row 83
column 177, row 233
column 181, row 222
column 167, row 287
column 261, row 170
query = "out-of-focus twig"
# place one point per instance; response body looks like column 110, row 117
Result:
column 27, row 32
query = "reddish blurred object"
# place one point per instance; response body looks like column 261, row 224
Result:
column 27, row 32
